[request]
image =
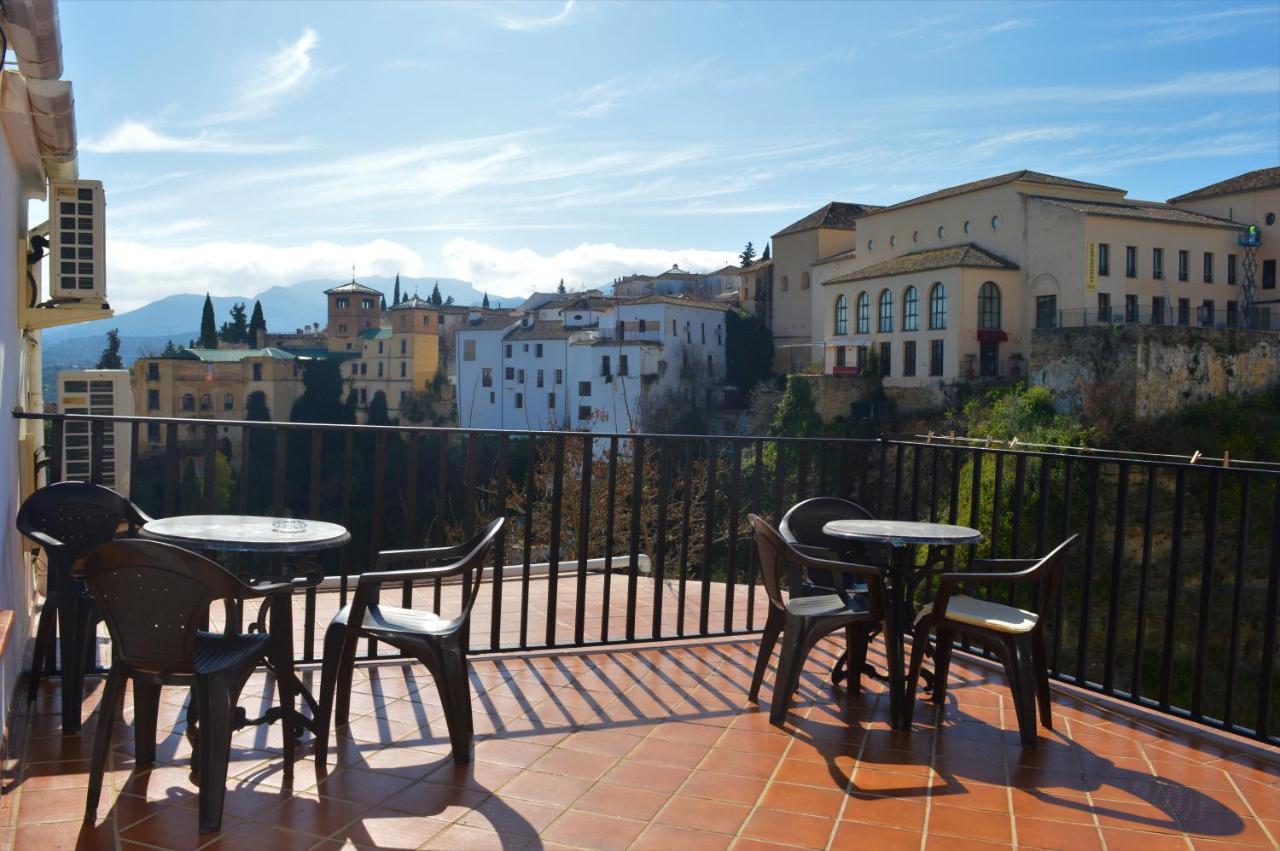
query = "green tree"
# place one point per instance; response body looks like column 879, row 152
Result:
column 208, row 330
column 190, row 493
column 257, row 326
column 382, row 302
column 436, row 299
column 169, row 350
column 110, row 357
column 449, row 300
column 748, row 255
column 395, row 294
column 485, row 303
column 236, row 330
column 378, row 413
column 766, row 254
column 748, row 350
column 321, row 399
column 796, row 415
column 561, row 289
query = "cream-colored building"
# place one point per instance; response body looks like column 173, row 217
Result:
column 950, row 285
column 826, row 232
column 212, row 384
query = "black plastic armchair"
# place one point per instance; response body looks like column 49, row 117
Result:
column 67, row 520
column 803, row 621
column 1015, row 635
column 154, row 597
column 437, row 642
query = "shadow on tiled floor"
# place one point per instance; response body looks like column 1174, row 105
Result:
column 657, row 747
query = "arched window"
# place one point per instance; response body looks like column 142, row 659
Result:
column 911, row 310
column 188, row 402
column 206, row 402
column 937, row 307
column 989, row 306
column 842, row 316
column 886, row 312
column 228, row 403
column 864, row 313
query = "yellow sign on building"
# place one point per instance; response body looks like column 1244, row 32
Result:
column 1091, row 269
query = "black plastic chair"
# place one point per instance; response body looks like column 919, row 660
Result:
column 1015, row 635
column 154, row 597
column 803, row 621
column 69, row 519
column 437, row 642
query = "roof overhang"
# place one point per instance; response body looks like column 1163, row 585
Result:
column 32, row 32
column 20, row 132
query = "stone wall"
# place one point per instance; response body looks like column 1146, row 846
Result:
column 833, row 394
column 1135, row 373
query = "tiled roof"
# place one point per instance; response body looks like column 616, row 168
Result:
column 839, row 255
column 1024, row 176
column 1251, row 181
column 759, row 264
column 544, row 330
column 581, row 303
column 353, row 287
column 375, row 334
column 413, row 303
column 966, row 254
column 677, row 301
column 838, row 215
column 234, row 355
column 726, row 270
column 490, row 323
column 1146, row 210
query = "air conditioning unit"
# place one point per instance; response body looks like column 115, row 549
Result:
column 96, row 391
column 77, row 241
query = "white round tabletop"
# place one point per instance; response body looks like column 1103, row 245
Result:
column 237, row 533
column 901, row 533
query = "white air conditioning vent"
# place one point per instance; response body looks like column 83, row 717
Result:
column 96, row 391
column 77, row 241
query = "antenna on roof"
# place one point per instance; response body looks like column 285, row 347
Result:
column 353, row 273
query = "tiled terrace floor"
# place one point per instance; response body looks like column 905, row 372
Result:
column 657, row 747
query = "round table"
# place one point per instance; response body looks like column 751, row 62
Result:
column 232, row 533
column 903, row 536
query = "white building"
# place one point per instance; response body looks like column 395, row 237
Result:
column 591, row 364
column 676, row 281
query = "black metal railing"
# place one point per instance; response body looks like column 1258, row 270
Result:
column 1192, row 314
column 1171, row 599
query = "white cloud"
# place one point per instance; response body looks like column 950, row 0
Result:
column 271, row 79
column 139, row 273
column 517, row 272
column 135, row 137
column 593, row 101
column 1011, row 24
column 501, row 15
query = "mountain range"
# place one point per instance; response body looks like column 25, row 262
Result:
column 146, row 329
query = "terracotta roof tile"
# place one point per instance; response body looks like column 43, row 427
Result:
column 1147, row 210
column 1025, row 176
column 966, row 255
column 1251, row 181
column 838, row 215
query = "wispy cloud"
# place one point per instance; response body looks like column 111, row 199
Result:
column 136, row 137
column 504, row 15
column 593, row 101
column 270, row 80
column 1176, row 29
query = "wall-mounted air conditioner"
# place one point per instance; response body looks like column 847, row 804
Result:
column 96, row 391
column 77, row 241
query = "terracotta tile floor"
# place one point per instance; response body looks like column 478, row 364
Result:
column 657, row 747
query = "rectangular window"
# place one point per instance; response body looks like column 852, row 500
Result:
column 508, row 350
column 228, row 402
column 1046, row 311
column 1231, row 270
column 1104, row 258
column 379, row 347
column 153, row 400
column 1208, row 267
column 1157, row 263
column 364, row 395
column 1157, row 311
column 153, row 372
column 1233, row 314
column 379, row 369
column 935, row 357
column 1268, row 274
column 704, row 333
column 537, row 350
column 673, row 328
column 1131, row 261
column 519, row 401
column 404, row 347
column 1131, row 308
column 468, row 349
column 364, row 369
column 860, row 355
column 886, row 355
column 1104, row 307
column 551, row 400
column 1184, row 311
column 486, row 377
column 584, row 412
column 153, row 432
column 622, row 364
column 520, row 376
column 584, row 388
column 909, row 358
column 539, row 379
column 403, row 367
column 605, row 368
column 257, row 372
column 559, row 376
column 510, row 373
column 1184, row 265
column 1206, row 313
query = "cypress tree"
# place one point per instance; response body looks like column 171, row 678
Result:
column 395, row 295
column 435, row 295
column 766, row 254
column 748, row 255
column 208, row 330
column 561, row 289
column 485, row 303
column 257, row 326
column 110, row 357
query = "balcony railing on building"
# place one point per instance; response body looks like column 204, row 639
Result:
column 1189, row 314
column 1172, row 597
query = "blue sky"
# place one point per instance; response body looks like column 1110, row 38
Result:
column 245, row 145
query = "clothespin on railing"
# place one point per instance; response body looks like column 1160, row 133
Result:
column 1013, row 444
column 988, row 441
column 928, row 438
column 1226, row 458
column 1195, row 456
